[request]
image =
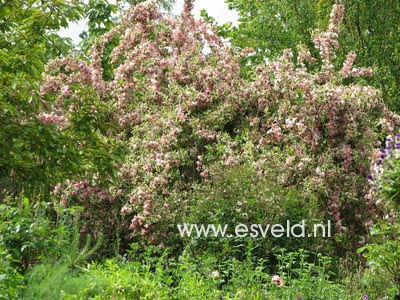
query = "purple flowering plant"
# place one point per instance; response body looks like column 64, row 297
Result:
column 383, row 250
column 385, row 177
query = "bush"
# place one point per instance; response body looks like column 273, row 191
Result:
column 11, row 280
column 27, row 233
column 383, row 251
column 237, row 195
column 376, row 284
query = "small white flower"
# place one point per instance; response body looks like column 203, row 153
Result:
column 215, row 274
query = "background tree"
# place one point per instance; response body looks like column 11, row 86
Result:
column 163, row 4
column 370, row 28
column 33, row 156
column 28, row 39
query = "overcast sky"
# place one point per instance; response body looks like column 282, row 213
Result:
column 215, row 8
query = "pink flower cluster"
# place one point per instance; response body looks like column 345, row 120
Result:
column 50, row 118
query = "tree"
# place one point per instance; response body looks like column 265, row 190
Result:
column 27, row 41
column 163, row 4
column 370, row 28
column 33, row 156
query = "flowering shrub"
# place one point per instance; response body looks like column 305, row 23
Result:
column 174, row 104
column 173, row 92
column 327, row 129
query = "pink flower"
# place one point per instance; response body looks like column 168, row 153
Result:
column 182, row 116
column 346, row 70
column 276, row 279
column 103, row 196
column 57, row 189
column 204, row 175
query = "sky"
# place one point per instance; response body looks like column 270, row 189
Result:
column 217, row 9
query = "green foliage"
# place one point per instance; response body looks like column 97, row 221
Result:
column 166, row 5
column 11, row 280
column 305, row 279
column 31, row 233
column 101, row 18
column 151, row 275
column 78, row 252
column 26, row 233
column 144, row 277
column 54, row 282
column 270, row 26
column 384, row 250
column 374, row 281
column 237, row 195
column 31, row 155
